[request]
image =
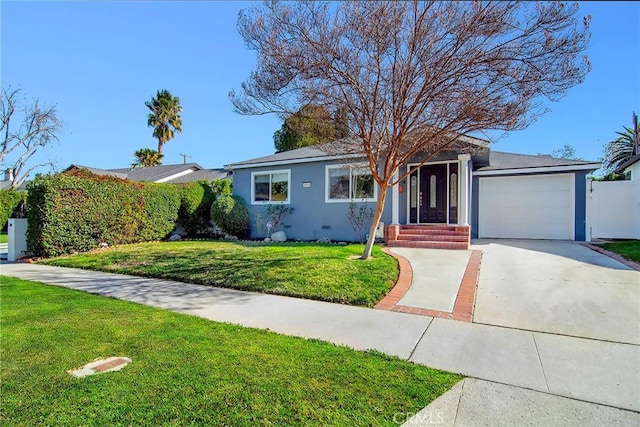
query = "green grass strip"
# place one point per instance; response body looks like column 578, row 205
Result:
column 307, row 270
column 186, row 370
column 629, row 249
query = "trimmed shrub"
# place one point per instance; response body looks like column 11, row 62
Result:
column 230, row 213
column 76, row 212
column 222, row 187
column 10, row 201
column 195, row 206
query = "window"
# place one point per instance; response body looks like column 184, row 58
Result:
column 414, row 191
column 270, row 187
column 432, row 191
column 453, row 190
column 346, row 183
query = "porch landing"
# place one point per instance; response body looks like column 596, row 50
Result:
column 428, row 236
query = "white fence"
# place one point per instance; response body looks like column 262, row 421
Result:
column 613, row 210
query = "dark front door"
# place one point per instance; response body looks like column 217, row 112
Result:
column 433, row 184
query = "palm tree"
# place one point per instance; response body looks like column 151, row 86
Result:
column 147, row 157
column 620, row 149
column 164, row 116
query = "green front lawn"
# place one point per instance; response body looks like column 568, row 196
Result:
column 307, row 270
column 4, row 238
column 629, row 249
column 186, row 370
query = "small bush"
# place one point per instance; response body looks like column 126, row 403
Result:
column 76, row 212
column 230, row 213
column 359, row 217
column 195, row 207
column 276, row 215
column 10, row 203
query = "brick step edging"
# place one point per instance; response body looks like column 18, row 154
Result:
column 433, row 238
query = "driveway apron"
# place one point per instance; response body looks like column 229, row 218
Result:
column 557, row 287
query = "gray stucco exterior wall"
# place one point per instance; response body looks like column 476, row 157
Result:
column 313, row 218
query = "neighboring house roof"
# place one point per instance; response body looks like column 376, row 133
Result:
column 6, row 185
column 160, row 173
column 178, row 173
column 632, row 160
column 101, row 172
column 205, row 174
column 501, row 161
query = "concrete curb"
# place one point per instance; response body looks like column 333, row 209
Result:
column 617, row 257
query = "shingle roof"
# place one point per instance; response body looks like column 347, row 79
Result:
column 156, row 173
column 178, row 173
column 330, row 150
column 297, row 154
column 499, row 160
column 6, row 185
column 204, row 174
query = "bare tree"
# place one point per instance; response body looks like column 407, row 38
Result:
column 37, row 128
column 412, row 76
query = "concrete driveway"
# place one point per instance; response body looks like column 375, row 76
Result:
column 557, row 287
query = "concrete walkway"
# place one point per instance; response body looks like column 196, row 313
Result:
column 523, row 370
column 438, row 272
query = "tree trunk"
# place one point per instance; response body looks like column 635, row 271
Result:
column 160, row 145
column 382, row 196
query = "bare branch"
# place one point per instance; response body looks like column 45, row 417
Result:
column 20, row 178
column 37, row 127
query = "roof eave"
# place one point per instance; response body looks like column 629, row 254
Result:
column 235, row 166
column 539, row 169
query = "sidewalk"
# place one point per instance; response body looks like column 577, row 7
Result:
column 605, row 373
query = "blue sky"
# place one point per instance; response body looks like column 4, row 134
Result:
column 100, row 61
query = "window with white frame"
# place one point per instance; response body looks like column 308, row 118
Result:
column 270, row 187
column 347, row 183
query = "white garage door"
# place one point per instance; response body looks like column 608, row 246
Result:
column 527, row 207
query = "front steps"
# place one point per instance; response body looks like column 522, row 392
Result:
column 428, row 236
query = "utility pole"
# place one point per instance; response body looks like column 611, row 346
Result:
column 184, row 158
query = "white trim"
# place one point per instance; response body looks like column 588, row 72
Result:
column 292, row 161
column 568, row 168
column 169, row 178
column 464, row 160
column 448, row 207
column 408, row 219
column 270, row 172
column 395, row 201
column 350, row 168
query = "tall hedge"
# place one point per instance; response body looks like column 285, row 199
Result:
column 195, row 206
column 10, row 201
column 76, row 212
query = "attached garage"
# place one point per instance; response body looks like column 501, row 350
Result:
column 538, row 206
